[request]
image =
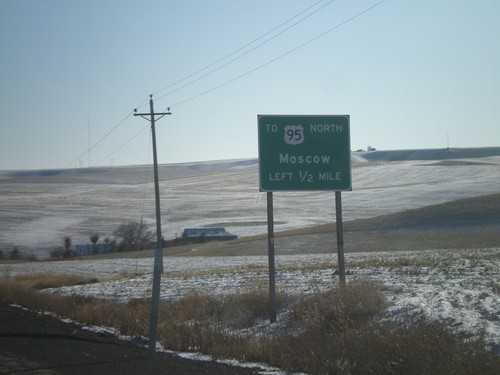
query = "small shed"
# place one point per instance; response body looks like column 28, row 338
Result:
column 207, row 234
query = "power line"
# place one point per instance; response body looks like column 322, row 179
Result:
column 99, row 141
column 123, row 145
column 242, row 48
column 280, row 56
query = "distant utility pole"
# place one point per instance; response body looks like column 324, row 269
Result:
column 88, row 135
column 158, row 263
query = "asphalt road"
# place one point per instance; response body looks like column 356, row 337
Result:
column 32, row 343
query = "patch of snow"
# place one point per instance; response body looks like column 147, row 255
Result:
column 100, row 330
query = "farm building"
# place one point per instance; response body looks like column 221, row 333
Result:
column 207, row 234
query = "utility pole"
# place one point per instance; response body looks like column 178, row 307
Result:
column 88, row 134
column 158, row 262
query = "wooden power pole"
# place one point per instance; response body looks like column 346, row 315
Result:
column 158, row 261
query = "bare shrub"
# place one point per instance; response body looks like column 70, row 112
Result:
column 67, row 247
column 134, row 236
column 420, row 348
column 94, row 238
column 208, row 323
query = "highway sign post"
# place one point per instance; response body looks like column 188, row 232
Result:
column 304, row 153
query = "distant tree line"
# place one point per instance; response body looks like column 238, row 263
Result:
column 15, row 254
column 129, row 236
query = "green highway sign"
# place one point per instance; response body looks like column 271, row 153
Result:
column 304, row 152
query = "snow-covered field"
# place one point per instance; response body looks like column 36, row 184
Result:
column 39, row 208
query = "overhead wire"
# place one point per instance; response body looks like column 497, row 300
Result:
column 123, row 145
column 242, row 48
column 105, row 136
column 99, row 141
column 236, row 51
column 278, row 57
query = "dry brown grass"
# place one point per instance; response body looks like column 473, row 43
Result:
column 342, row 333
column 336, row 332
column 46, row 281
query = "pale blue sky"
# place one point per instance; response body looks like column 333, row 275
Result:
column 411, row 74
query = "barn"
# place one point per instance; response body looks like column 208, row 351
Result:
column 207, row 234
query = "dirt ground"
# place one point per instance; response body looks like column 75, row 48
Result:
column 40, row 344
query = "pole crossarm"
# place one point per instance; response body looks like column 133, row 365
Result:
column 161, row 114
column 151, row 114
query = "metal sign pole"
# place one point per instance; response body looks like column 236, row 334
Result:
column 270, row 252
column 340, row 237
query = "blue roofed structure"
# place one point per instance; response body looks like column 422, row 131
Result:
column 210, row 233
